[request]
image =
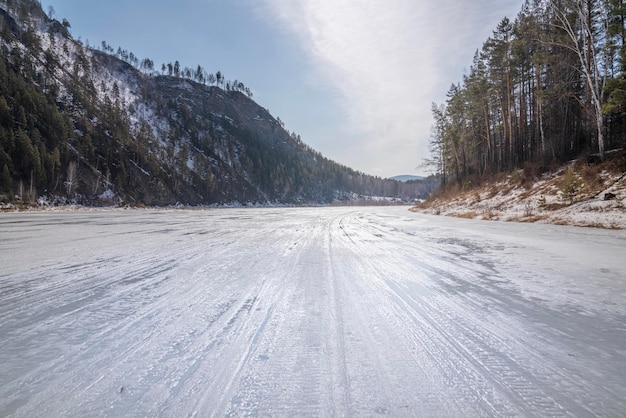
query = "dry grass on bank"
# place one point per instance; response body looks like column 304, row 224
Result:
column 582, row 194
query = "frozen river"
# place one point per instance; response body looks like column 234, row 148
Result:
column 308, row 312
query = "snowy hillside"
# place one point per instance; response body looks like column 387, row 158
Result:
column 96, row 127
column 592, row 195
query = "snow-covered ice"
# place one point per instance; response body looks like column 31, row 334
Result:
column 308, row 312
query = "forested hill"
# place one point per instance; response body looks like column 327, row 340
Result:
column 546, row 87
column 95, row 126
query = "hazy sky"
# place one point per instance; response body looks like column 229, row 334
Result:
column 355, row 78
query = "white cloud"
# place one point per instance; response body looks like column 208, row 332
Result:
column 389, row 59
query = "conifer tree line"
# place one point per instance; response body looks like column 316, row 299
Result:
column 546, row 87
column 197, row 74
column 32, row 8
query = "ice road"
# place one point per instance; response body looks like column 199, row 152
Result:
column 308, row 312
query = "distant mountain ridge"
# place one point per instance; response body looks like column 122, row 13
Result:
column 407, row 177
column 80, row 124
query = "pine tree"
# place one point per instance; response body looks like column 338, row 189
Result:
column 5, row 179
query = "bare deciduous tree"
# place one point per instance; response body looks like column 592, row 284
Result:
column 71, row 178
column 579, row 19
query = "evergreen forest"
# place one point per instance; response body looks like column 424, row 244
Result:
column 545, row 88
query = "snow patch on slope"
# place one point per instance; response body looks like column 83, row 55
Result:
column 601, row 204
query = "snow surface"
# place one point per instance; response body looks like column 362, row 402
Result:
column 308, row 312
column 509, row 201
